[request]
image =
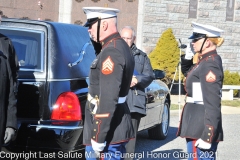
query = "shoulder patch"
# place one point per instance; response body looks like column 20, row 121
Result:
column 210, row 77
column 107, row 66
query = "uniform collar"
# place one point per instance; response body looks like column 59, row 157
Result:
column 134, row 49
column 109, row 38
column 202, row 56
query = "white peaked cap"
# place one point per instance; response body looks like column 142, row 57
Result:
column 207, row 30
column 100, row 12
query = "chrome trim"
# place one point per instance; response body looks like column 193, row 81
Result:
column 51, row 80
column 82, row 53
column 38, row 127
column 37, row 84
column 35, row 70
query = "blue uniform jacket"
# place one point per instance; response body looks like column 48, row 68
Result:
column 110, row 78
column 204, row 120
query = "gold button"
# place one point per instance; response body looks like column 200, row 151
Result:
column 97, row 122
column 209, row 134
column 93, row 136
column 95, row 130
column 207, row 139
column 210, row 128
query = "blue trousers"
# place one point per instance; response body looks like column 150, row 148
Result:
column 194, row 153
column 110, row 152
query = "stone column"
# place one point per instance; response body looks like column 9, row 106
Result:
column 140, row 21
column 65, row 9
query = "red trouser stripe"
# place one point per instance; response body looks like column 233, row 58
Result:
column 102, row 156
column 195, row 157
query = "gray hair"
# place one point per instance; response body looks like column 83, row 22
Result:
column 131, row 28
column 112, row 20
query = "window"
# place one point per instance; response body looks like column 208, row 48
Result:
column 28, row 45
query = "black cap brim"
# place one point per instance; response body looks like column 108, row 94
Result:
column 197, row 36
column 90, row 22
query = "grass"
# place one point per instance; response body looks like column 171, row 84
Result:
column 175, row 107
column 233, row 103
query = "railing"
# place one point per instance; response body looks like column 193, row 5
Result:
column 227, row 91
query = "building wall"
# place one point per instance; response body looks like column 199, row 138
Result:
column 68, row 11
column 149, row 17
column 48, row 9
column 127, row 15
column 160, row 15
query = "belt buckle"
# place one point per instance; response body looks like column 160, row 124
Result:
column 93, row 111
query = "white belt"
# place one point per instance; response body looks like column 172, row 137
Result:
column 95, row 100
column 121, row 99
column 191, row 100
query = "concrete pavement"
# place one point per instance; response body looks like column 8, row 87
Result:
column 225, row 109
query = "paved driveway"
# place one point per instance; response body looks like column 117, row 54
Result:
column 174, row 148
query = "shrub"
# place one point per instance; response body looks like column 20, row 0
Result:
column 231, row 78
column 166, row 56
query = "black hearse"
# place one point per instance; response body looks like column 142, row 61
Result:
column 54, row 60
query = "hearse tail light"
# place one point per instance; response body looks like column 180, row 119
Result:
column 67, row 107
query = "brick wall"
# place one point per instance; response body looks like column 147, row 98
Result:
column 30, row 9
column 52, row 9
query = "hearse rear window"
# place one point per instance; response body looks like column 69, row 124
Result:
column 29, row 48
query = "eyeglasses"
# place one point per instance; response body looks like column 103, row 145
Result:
column 195, row 40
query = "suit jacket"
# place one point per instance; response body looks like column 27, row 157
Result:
column 7, row 86
column 136, row 98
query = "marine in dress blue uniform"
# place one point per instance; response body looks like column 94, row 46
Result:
column 201, row 120
column 107, row 126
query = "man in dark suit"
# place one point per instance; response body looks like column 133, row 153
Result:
column 8, row 81
column 143, row 76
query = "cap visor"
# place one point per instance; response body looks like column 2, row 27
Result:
column 90, row 22
column 197, row 36
column 87, row 24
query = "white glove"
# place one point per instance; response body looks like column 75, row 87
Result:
column 9, row 134
column 97, row 147
column 189, row 53
column 202, row 144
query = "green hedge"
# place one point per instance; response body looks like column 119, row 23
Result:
column 231, row 78
column 166, row 55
